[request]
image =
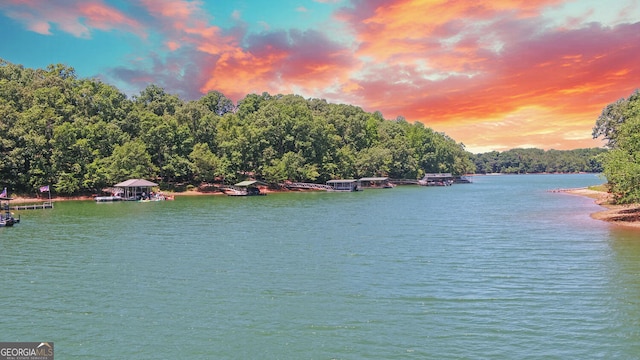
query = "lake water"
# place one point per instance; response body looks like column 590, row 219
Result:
column 498, row 269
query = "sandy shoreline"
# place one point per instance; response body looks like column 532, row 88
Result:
column 621, row 215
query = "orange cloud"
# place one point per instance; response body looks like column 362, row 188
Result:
column 410, row 27
column 238, row 73
column 526, row 127
column 177, row 14
column 280, row 62
column 464, row 67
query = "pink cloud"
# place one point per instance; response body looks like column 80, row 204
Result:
column 452, row 65
column 107, row 18
column 456, row 65
column 280, row 62
column 565, row 70
column 76, row 17
column 186, row 23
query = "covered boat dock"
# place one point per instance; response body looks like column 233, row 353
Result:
column 344, row 185
column 439, row 179
column 135, row 189
column 376, row 183
column 245, row 188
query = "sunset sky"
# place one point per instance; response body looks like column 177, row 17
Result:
column 493, row 75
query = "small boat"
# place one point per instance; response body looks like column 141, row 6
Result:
column 435, row 182
column 8, row 221
column 108, row 198
column 155, row 197
column 6, row 217
column 462, row 180
column 248, row 191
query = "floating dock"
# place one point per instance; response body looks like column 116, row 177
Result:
column 47, row 205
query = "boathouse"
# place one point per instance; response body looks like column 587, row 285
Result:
column 245, row 188
column 439, row 179
column 135, row 189
column 344, row 185
column 375, row 183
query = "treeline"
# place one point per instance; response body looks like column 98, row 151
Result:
column 619, row 125
column 82, row 135
column 531, row 161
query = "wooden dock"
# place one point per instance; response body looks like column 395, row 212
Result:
column 47, row 205
column 308, row 186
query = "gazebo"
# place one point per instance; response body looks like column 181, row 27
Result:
column 135, row 189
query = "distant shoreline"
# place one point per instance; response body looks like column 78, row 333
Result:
column 621, row 215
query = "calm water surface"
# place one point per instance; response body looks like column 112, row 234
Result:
column 498, row 269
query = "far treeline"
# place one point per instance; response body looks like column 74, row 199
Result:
column 82, row 135
column 619, row 125
column 532, row 161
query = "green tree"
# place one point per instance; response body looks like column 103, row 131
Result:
column 619, row 124
column 622, row 163
column 291, row 166
column 217, row 103
column 70, row 157
column 374, row 161
column 130, row 161
column 155, row 99
column 613, row 116
column 206, row 165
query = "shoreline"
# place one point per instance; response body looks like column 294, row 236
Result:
column 21, row 200
column 620, row 215
column 627, row 216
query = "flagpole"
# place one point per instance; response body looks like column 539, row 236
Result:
column 47, row 189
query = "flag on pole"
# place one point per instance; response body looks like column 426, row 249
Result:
column 4, row 193
column 44, row 188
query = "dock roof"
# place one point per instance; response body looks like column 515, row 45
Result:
column 249, row 183
column 374, row 179
column 342, row 181
column 438, row 175
column 136, row 183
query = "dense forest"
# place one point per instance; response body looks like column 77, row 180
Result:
column 619, row 125
column 527, row 161
column 82, row 135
